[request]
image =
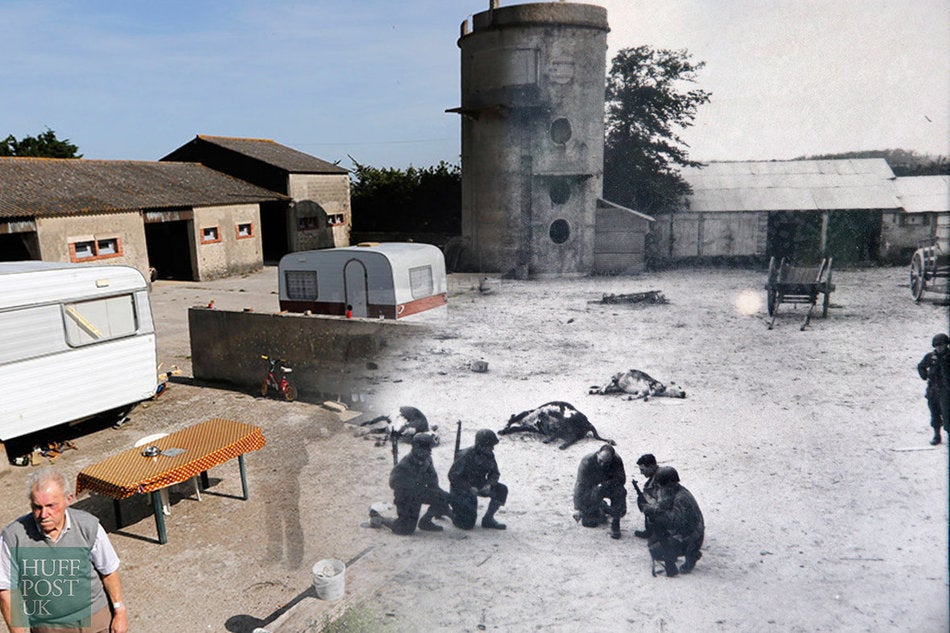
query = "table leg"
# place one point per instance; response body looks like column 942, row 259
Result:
column 243, row 477
column 205, row 484
column 118, row 514
column 159, row 516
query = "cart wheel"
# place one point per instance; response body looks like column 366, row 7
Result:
column 918, row 271
column 772, row 301
column 264, row 388
column 290, row 392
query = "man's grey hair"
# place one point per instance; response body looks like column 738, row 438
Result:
column 46, row 475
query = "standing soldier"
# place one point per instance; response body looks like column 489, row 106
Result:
column 601, row 478
column 475, row 474
column 935, row 369
column 415, row 482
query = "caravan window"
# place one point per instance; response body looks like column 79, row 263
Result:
column 30, row 332
column 420, row 282
column 301, row 285
column 99, row 320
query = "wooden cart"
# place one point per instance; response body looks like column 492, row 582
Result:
column 929, row 270
column 797, row 284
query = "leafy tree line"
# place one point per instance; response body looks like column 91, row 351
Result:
column 44, row 145
column 901, row 161
column 427, row 200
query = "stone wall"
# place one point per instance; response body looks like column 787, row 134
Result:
column 331, row 357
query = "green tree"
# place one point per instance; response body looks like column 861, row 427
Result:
column 44, row 145
column 427, row 200
column 647, row 100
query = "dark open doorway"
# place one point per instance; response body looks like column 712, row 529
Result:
column 169, row 249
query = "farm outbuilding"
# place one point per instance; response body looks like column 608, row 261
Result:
column 180, row 220
column 317, row 215
column 619, row 238
column 924, row 216
column 391, row 280
column 802, row 210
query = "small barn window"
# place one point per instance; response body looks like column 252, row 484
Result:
column 560, row 231
column 308, row 223
column 210, row 235
column 85, row 250
column 301, row 285
column 420, row 282
column 244, row 230
column 561, row 131
column 99, row 320
column 335, row 219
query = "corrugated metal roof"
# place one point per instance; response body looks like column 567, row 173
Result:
column 31, row 187
column 273, row 153
column 924, row 194
column 800, row 185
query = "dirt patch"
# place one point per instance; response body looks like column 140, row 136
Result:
column 826, row 509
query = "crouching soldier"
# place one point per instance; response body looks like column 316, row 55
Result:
column 475, row 474
column 415, row 483
column 677, row 524
column 601, row 478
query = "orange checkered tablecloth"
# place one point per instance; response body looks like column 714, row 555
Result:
column 205, row 444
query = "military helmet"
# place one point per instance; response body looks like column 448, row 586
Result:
column 666, row 475
column 485, row 437
column 423, row 440
column 940, row 339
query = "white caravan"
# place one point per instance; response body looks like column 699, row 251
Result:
column 75, row 341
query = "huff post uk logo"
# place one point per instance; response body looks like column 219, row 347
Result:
column 51, row 586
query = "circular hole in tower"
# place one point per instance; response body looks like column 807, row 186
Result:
column 560, row 191
column 560, row 230
column 561, row 131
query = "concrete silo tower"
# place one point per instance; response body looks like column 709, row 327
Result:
column 532, row 137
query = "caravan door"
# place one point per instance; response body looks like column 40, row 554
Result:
column 355, row 287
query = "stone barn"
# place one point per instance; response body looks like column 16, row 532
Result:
column 802, row 210
column 924, row 216
column 318, row 212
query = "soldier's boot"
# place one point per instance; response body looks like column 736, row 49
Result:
column 615, row 528
column 426, row 524
column 936, row 439
column 670, row 566
column 488, row 521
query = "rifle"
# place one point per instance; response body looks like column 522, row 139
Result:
column 640, row 497
column 395, row 442
column 458, row 438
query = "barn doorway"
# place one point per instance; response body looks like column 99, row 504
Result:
column 170, row 249
column 355, row 287
column 15, row 247
column 795, row 235
column 274, row 230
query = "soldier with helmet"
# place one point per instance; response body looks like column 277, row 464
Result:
column 415, row 483
column 935, row 369
column 475, row 474
column 677, row 524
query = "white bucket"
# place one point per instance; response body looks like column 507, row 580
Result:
column 329, row 579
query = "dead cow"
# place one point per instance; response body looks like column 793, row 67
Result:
column 553, row 420
column 401, row 424
column 638, row 385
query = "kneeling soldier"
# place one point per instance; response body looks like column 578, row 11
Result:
column 475, row 474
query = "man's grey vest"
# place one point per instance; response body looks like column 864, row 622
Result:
column 56, row 582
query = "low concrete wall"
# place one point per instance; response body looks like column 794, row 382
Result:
column 331, row 357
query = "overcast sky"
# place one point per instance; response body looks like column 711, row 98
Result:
column 130, row 79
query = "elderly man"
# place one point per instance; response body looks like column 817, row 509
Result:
column 415, row 483
column 58, row 570
column 935, row 369
column 601, row 479
column 677, row 524
column 474, row 474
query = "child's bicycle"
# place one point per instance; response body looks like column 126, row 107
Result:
column 277, row 378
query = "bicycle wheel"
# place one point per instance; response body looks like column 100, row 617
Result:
column 290, row 392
